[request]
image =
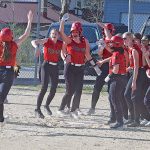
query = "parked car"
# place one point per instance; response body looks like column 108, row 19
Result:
column 3, row 25
column 93, row 33
column 146, row 27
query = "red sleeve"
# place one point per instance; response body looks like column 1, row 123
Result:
column 115, row 58
column 47, row 43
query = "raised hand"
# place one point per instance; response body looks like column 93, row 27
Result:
column 30, row 16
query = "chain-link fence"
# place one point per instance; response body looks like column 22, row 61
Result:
column 26, row 55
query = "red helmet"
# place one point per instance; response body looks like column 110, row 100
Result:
column 117, row 41
column 76, row 26
column 6, row 35
column 110, row 27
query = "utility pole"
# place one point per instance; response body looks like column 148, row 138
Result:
column 37, row 35
column 130, row 16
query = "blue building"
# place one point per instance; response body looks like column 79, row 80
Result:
column 116, row 11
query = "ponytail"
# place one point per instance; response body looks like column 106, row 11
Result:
column 6, row 51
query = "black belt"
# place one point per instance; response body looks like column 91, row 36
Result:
column 6, row 67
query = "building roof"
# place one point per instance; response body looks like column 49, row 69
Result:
column 17, row 13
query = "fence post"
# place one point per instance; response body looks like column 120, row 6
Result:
column 37, row 35
column 130, row 16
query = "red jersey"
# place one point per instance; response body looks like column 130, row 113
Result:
column 106, row 54
column 52, row 50
column 131, row 57
column 13, row 51
column 77, row 51
column 119, row 59
column 126, row 54
column 140, row 55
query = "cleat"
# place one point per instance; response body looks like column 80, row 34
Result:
column 143, row 122
column 91, row 111
column 60, row 113
column 117, row 125
column 147, row 124
column 39, row 114
column 110, row 121
column 78, row 111
column 128, row 122
column 134, row 124
column 74, row 115
column 67, row 111
column 49, row 112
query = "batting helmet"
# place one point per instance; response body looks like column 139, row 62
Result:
column 76, row 26
column 6, row 35
column 117, row 41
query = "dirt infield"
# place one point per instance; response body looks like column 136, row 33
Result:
column 25, row 132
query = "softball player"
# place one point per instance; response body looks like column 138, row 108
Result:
column 75, row 49
column 104, row 53
column 117, row 77
column 49, row 69
column 134, row 89
column 8, row 50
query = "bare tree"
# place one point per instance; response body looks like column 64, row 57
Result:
column 3, row 4
column 65, row 7
column 93, row 10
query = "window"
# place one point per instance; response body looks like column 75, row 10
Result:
column 78, row 4
column 143, row 0
column 25, row 0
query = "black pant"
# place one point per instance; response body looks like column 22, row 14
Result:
column 74, row 83
column 99, row 83
column 115, row 94
column 134, row 99
column 48, row 72
column 147, row 98
column 6, row 81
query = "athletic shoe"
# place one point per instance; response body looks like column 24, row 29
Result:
column 147, row 124
column 6, row 101
column 117, row 125
column 125, row 120
column 49, row 112
column 128, row 122
column 91, row 111
column 67, row 111
column 110, row 121
column 2, row 124
column 60, row 113
column 74, row 115
column 39, row 114
column 134, row 124
column 78, row 111
column 143, row 122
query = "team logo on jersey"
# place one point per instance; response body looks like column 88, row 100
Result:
column 52, row 51
column 78, row 49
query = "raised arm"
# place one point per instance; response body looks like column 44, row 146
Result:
column 106, row 31
column 37, row 42
column 23, row 37
column 64, row 37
